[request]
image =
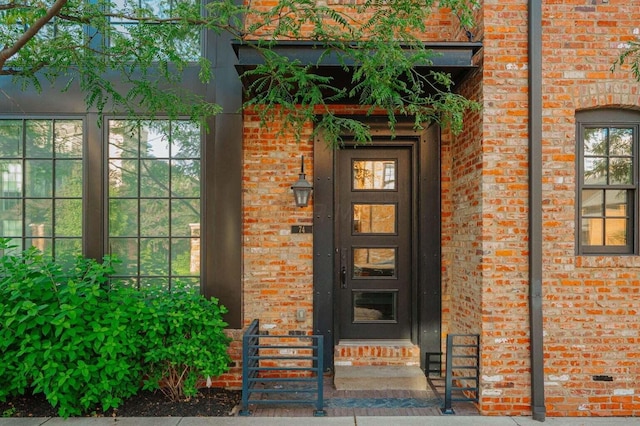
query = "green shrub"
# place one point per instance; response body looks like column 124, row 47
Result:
column 185, row 341
column 84, row 343
column 66, row 334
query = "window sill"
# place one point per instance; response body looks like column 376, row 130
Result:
column 608, row 261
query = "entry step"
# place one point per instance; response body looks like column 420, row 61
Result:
column 360, row 353
column 379, row 378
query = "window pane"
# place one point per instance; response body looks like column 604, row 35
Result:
column 126, row 249
column 185, row 142
column 185, row 218
column 68, row 218
column 592, row 231
column 67, row 249
column 595, row 141
column 68, row 138
column 154, row 178
column 374, row 262
column 11, row 138
column 185, row 256
column 154, row 256
column 621, row 141
column 39, row 138
column 372, row 306
column 123, row 140
column 123, row 178
column 68, row 178
column 38, row 217
column 39, row 178
column 592, row 202
column 374, row 218
column 620, row 171
column 379, row 174
column 123, row 218
column 154, row 218
column 616, row 232
column 595, row 171
column 616, row 203
column 153, row 143
column 185, row 178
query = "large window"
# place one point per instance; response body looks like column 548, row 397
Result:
column 154, row 201
column 41, row 184
column 608, row 181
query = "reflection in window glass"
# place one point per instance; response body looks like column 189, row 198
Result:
column 374, row 306
column 379, row 174
column 41, row 185
column 154, row 201
column 374, row 262
column 605, row 217
column 374, row 218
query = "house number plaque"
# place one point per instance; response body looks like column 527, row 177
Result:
column 302, row 229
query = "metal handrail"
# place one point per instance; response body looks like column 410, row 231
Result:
column 261, row 354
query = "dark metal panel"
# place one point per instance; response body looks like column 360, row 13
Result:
column 94, row 196
column 430, row 282
column 323, row 251
column 538, row 408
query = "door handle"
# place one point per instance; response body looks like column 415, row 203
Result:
column 343, row 268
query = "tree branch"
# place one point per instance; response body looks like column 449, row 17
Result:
column 8, row 52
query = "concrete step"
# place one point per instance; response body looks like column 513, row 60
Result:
column 376, row 353
column 379, row 378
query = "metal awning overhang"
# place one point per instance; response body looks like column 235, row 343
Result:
column 454, row 58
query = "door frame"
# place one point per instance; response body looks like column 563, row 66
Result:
column 426, row 313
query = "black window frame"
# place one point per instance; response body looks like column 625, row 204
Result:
column 608, row 118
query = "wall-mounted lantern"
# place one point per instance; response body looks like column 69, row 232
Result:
column 302, row 188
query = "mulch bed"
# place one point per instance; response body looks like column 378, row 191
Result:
column 213, row 402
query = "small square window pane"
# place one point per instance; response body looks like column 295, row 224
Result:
column 123, row 139
column 126, row 250
column 185, row 141
column 595, row 170
column 620, row 171
column 154, row 178
column 592, row 202
column 154, row 218
column 39, row 139
column 616, row 204
column 616, row 232
column 41, row 243
column 68, row 178
column 38, row 217
column 185, row 218
column 123, row 178
column 154, row 256
column 621, row 141
column 595, row 141
column 11, row 138
column 185, row 256
column 374, row 218
column 39, row 179
column 374, row 262
column 123, row 218
column 67, row 249
column 376, row 175
column 185, row 178
column 153, row 141
column 155, row 283
column 592, row 231
column 68, row 219
column 68, row 138
column 373, row 306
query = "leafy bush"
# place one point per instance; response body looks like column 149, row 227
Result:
column 84, row 343
column 185, row 341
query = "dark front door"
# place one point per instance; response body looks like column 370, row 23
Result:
column 374, row 266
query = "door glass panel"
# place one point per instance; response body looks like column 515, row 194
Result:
column 374, row 262
column 370, row 306
column 374, row 218
column 378, row 174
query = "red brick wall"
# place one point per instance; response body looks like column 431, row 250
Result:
column 591, row 304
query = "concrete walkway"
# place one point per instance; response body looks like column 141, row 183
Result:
column 323, row 421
